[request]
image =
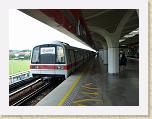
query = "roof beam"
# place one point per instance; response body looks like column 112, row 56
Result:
column 133, row 18
column 100, row 42
column 97, row 14
column 127, row 31
column 123, row 22
column 131, row 26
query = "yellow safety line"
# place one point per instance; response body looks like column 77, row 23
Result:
column 90, row 93
column 89, row 87
column 84, row 100
column 81, row 104
column 69, row 91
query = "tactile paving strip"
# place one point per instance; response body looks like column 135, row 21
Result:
column 73, row 94
column 75, row 91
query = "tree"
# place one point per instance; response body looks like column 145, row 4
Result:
column 11, row 56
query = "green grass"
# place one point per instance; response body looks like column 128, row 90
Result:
column 16, row 66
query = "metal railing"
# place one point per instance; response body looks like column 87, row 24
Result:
column 18, row 77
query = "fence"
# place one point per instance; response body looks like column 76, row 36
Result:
column 18, row 77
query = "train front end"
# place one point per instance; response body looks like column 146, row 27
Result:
column 48, row 60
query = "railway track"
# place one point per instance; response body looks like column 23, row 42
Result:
column 15, row 86
column 26, row 93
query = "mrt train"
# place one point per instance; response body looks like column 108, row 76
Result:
column 57, row 59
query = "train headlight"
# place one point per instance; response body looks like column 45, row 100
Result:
column 60, row 67
column 36, row 67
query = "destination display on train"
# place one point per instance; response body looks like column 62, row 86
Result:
column 48, row 50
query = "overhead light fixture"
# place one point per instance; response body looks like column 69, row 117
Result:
column 123, row 45
column 135, row 32
column 128, row 36
column 121, row 40
column 131, row 34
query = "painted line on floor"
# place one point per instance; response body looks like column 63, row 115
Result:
column 90, row 93
column 84, row 100
column 88, row 84
column 90, row 88
column 91, row 85
column 69, row 91
column 81, row 104
column 61, row 102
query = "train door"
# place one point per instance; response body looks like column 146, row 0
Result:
column 81, row 57
column 75, row 58
column 68, row 62
column 78, row 59
column 72, row 61
column 83, row 54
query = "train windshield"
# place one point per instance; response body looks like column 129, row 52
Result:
column 35, row 56
column 48, row 55
column 60, row 55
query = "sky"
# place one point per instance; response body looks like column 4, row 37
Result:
column 26, row 32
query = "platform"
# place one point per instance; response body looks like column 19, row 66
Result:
column 93, row 86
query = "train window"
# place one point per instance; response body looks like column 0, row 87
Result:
column 76, row 55
column 72, row 55
column 60, row 55
column 47, row 50
column 69, row 57
column 47, row 55
column 35, row 55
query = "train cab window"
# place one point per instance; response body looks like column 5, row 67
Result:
column 35, row 55
column 47, row 55
column 60, row 55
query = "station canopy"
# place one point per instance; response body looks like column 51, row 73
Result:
column 107, row 19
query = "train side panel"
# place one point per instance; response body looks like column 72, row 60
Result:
column 66, row 59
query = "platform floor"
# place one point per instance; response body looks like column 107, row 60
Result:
column 93, row 86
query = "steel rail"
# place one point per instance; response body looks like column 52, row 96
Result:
column 27, row 86
column 21, row 101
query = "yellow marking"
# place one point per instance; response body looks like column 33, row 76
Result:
column 90, row 93
column 88, row 84
column 81, row 104
column 89, row 87
column 84, row 100
column 69, row 91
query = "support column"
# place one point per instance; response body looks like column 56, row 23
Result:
column 105, row 56
column 101, row 54
column 113, row 60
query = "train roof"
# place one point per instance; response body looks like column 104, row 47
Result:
column 56, row 42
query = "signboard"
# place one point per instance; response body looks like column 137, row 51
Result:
column 48, row 50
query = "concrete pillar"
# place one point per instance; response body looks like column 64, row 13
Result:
column 105, row 56
column 113, row 60
column 101, row 54
column 112, row 40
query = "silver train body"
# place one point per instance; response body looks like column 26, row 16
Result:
column 57, row 59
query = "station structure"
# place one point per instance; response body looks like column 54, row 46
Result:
column 111, row 32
